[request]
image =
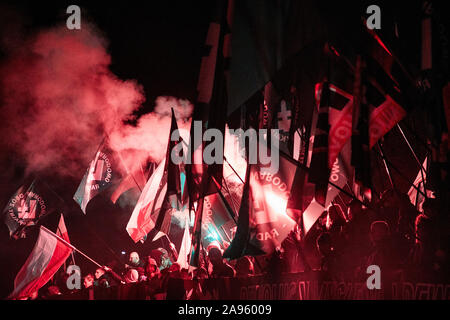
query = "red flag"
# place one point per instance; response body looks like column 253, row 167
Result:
column 340, row 125
column 62, row 230
column 417, row 198
column 150, row 202
column 47, row 256
column 384, row 118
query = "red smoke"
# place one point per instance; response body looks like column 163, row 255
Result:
column 60, row 98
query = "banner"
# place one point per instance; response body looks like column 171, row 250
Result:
column 290, row 286
column 28, row 205
column 98, row 177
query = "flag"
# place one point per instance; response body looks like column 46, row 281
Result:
column 340, row 119
column 98, row 177
column 136, row 179
column 197, row 235
column 241, row 246
column 183, row 253
column 62, row 230
column 319, row 170
column 217, row 219
column 210, row 108
column 47, row 256
column 263, row 221
column 384, row 118
column 149, row 204
column 28, row 206
column 160, row 196
column 340, row 175
column 266, row 36
column 360, row 129
column 174, row 187
column 417, row 198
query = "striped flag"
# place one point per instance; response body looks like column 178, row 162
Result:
column 62, row 230
column 47, row 256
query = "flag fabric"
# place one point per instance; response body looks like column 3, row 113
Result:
column 280, row 110
column 319, row 169
column 28, row 205
column 194, row 259
column 241, row 245
column 383, row 119
column 360, row 130
column 266, row 35
column 217, row 220
column 149, row 204
column 174, row 187
column 62, row 230
column 47, row 256
column 98, row 177
column 263, row 221
column 340, row 119
column 136, row 179
column 210, row 108
column 183, row 253
column 417, row 198
column 160, row 196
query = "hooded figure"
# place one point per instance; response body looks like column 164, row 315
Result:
column 132, row 276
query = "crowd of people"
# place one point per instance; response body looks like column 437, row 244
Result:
column 403, row 242
column 391, row 233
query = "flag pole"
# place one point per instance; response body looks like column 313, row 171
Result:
column 224, row 158
column 399, row 172
column 422, row 169
column 71, row 246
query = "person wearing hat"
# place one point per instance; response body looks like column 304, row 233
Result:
column 151, row 268
column 134, row 262
column 132, row 276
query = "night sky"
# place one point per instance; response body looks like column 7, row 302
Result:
column 159, row 44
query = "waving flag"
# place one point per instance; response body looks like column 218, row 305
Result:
column 161, row 195
column 98, row 177
column 45, row 259
column 136, row 179
column 417, row 198
column 217, row 219
column 183, row 253
column 319, row 169
column 28, row 205
column 263, row 222
column 149, row 204
column 384, row 118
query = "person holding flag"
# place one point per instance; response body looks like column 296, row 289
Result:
column 47, row 256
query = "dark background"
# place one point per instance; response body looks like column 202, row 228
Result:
column 158, row 43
